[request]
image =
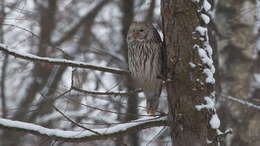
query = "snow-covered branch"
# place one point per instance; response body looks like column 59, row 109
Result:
column 84, row 135
column 65, row 62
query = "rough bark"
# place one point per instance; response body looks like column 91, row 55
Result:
column 188, row 125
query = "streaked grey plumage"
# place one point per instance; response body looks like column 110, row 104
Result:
column 145, row 61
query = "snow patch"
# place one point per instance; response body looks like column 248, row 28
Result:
column 257, row 78
column 210, row 104
column 196, row 1
column 3, row 45
column 192, row 65
column 214, row 121
column 205, row 18
column 210, row 78
column 206, row 55
column 206, row 5
column 202, row 30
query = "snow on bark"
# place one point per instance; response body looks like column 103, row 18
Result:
column 205, row 18
column 205, row 52
column 214, row 121
column 210, row 104
column 206, row 5
column 192, row 65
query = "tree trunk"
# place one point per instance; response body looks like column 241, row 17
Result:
column 132, row 102
column 187, row 83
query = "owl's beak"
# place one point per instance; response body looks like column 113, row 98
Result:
column 135, row 35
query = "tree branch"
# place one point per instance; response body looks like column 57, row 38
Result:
column 64, row 62
column 87, row 17
column 239, row 100
column 81, row 136
column 106, row 93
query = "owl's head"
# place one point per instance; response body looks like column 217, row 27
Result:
column 140, row 31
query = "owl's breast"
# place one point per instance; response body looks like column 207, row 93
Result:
column 144, row 61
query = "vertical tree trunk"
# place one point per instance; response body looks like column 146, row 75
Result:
column 5, row 62
column 40, row 72
column 3, row 72
column 188, row 84
column 132, row 102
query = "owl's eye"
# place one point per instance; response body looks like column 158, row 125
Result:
column 141, row 30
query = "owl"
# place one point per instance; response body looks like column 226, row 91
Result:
column 145, row 61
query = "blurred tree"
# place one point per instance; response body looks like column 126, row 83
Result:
column 236, row 21
column 127, row 8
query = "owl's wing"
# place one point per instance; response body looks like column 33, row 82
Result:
column 156, row 35
column 163, row 54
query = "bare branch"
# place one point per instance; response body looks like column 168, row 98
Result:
column 109, row 111
column 88, row 17
column 75, row 123
column 106, row 93
column 64, row 62
column 244, row 102
column 81, row 136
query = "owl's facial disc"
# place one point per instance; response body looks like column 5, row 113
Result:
column 139, row 34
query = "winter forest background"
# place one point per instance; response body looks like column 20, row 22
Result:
column 93, row 31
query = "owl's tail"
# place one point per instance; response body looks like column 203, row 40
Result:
column 152, row 105
column 152, row 91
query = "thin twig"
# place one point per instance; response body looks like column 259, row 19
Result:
column 249, row 104
column 109, row 111
column 75, row 123
column 107, row 93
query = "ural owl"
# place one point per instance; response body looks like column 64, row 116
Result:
column 145, row 61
